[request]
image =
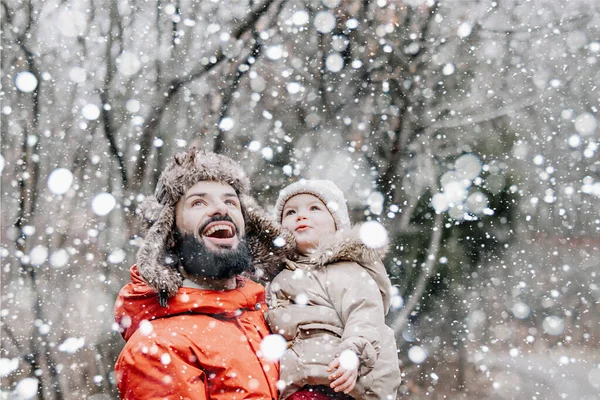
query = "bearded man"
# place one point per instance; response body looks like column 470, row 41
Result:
column 193, row 323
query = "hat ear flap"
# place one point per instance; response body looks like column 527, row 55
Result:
column 152, row 261
column 148, row 213
column 268, row 242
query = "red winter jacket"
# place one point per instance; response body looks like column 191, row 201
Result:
column 204, row 345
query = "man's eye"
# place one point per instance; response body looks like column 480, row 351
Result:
column 197, row 203
column 231, row 202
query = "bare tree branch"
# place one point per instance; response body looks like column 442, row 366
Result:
column 402, row 132
column 388, row 175
column 109, row 132
column 565, row 25
column 423, row 279
column 11, row 335
column 27, row 204
column 228, row 96
column 27, row 187
column 476, row 119
column 173, row 88
column 7, row 12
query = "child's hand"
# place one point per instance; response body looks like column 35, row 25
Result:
column 344, row 376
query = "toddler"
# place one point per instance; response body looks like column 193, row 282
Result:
column 330, row 304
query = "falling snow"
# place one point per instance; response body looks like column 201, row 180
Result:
column 324, row 21
column 373, row 234
column 26, row 82
column 348, row 360
column 8, row 366
column 272, row 347
column 128, row 64
column 27, row 388
column 90, row 112
column 71, row 345
column 103, row 203
column 417, row 354
column 60, row 180
column 464, row 136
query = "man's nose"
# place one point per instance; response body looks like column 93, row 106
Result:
column 218, row 208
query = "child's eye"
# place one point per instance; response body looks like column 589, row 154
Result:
column 289, row 212
column 315, row 208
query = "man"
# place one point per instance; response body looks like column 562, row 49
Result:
column 193, row 324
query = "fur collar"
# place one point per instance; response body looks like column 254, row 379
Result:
column 346, row 245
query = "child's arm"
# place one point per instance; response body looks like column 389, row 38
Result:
column 357, row 299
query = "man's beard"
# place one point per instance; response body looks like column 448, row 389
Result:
column 197, row 260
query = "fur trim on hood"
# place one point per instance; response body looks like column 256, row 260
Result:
column 346, row 246
column 269, row 244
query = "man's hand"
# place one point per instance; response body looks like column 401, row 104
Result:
column 344, row 373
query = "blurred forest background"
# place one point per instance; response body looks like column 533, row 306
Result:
column 469, row 129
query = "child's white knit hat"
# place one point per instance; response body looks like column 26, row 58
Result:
column 324, row 190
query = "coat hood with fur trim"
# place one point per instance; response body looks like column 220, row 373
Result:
column 346, row 245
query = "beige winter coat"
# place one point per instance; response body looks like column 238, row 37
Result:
column 334, row 300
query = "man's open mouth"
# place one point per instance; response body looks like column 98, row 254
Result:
column 220, row 233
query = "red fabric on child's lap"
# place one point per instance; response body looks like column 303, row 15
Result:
column 318, row 393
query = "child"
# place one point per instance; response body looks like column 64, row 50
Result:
column 330, row 304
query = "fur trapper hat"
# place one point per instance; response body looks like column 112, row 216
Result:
column 269, row 244
column 324, row 190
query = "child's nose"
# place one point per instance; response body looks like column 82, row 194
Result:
column 300, row 217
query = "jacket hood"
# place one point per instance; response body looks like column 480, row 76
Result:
column 137, row 301
column 346, row 246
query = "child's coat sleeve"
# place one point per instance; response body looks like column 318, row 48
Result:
column 357, row 299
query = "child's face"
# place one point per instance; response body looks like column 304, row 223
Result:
column 308, row 219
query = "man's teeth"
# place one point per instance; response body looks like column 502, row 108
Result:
column 219, row 228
